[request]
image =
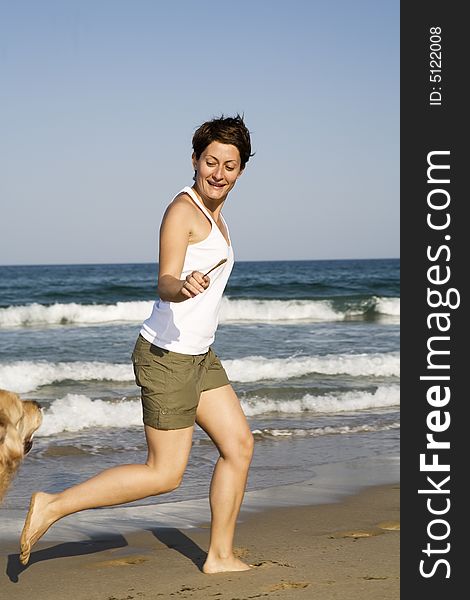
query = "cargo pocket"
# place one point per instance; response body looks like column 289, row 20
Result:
column 149, row 372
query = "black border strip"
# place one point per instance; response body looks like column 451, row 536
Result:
column 426, row 128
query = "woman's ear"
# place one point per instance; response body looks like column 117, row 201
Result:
column 194, row 161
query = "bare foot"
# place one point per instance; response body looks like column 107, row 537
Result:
column 223, row 565
column 36, row 524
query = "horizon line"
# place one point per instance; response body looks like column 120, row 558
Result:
column 83, row 264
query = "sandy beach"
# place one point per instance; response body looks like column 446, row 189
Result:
column 347, row 549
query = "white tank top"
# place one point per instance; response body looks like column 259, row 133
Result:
column 189, row 326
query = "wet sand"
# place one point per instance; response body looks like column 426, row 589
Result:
column 341, row 550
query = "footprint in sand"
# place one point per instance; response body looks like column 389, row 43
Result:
column 270, row 563
column 389, row 525
column 288, row 585
column 356, row 533
column 240, row 552
column 120, row 562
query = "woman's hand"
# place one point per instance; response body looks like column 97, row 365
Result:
column 194, row 284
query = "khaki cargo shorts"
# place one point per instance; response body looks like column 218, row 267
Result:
column 171, row 383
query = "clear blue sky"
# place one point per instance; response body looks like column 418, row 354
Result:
column 99, row 100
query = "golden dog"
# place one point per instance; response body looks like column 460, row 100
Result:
column 19, row 419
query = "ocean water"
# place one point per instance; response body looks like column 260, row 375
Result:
column 311, row 347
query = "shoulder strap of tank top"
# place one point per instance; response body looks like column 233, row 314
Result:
column 192, row 193
column 227, row 229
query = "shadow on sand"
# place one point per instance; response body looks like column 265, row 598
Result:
column 90, row 546
column 177, row 540
column 172, row 538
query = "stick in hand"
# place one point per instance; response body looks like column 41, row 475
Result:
column 221, row 262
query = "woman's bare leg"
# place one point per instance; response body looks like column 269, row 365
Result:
column 220, row 415
column 168, row 453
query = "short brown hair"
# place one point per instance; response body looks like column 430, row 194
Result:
column 226, row 130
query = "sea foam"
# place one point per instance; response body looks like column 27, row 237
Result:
column 256, row 368
column 27, row 376
column 232, row 311
column 72, row 313
column 76, row 412
column 329, row 430
column 383, row 397
column 387, row 306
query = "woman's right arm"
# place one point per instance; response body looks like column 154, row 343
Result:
column 175, row 232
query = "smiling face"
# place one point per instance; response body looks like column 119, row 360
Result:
column 217, row 170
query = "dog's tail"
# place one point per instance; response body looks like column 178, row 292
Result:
column 11, row 453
